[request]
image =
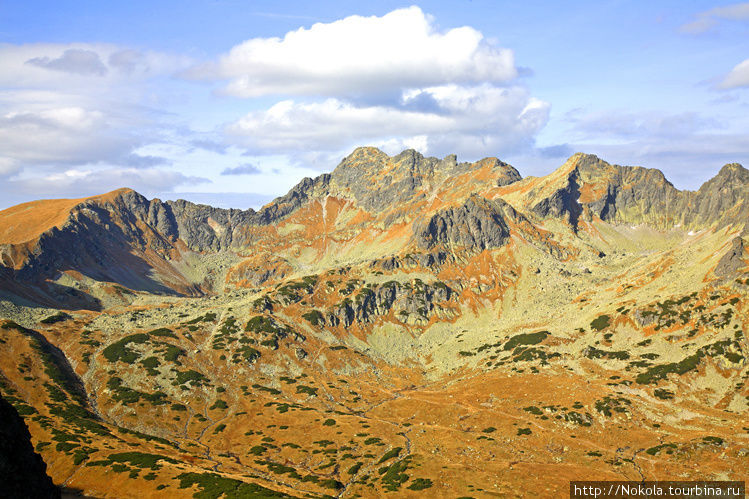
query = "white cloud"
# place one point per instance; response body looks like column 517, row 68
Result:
column 393, row 81
column 77, row 61
column 245, row 169
column 355, row 55
column 332, row 124
column 8, row 166
column 705, row 21
column 76, row 104
column 79, row 182
column 738, row 77
column 396, row 81
column 80, row 67
column 470, row 120
column 59, row 135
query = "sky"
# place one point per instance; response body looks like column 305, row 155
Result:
column 231, row 103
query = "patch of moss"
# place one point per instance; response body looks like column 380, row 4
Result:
column 213, row 486
column 601, row 322
column 526, row 339
column 420, row 484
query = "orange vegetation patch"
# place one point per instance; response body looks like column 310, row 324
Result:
column 590, row 192
column 27, row 221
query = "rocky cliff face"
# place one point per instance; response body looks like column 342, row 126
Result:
column 476, row 225
column 376, row 181
column 636, row 195
column 22, row 471
column 732, row 260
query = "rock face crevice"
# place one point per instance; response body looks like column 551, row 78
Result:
column 23, row 472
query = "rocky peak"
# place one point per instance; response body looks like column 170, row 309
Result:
column 730, row 176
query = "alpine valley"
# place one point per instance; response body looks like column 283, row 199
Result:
column 403, row 326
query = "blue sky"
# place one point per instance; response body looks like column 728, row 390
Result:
column 231, row 103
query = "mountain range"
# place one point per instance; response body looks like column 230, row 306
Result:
column 433, row 325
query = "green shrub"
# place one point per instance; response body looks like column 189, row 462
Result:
column 58, row 317
column 314, row 317
column 390, row 454
column 213, row 486
column 118, row 350
column 163, row 332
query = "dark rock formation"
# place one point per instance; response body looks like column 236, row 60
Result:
column 416, row 298
column 733, row 260
column 477, row 225
column 294, row 199
column 377, row 181
column 722, row 200
column 631, row 194
column 628, row 194
column 23, row 473
column 563, row 203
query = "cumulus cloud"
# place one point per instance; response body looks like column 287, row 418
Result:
column 395, row 81
column 392, row 81
column 64, row 105
column 246, row 169
column 78, row 61
column 476, row 120
column 709, row 19
column 361, row 55
column 738, row 77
